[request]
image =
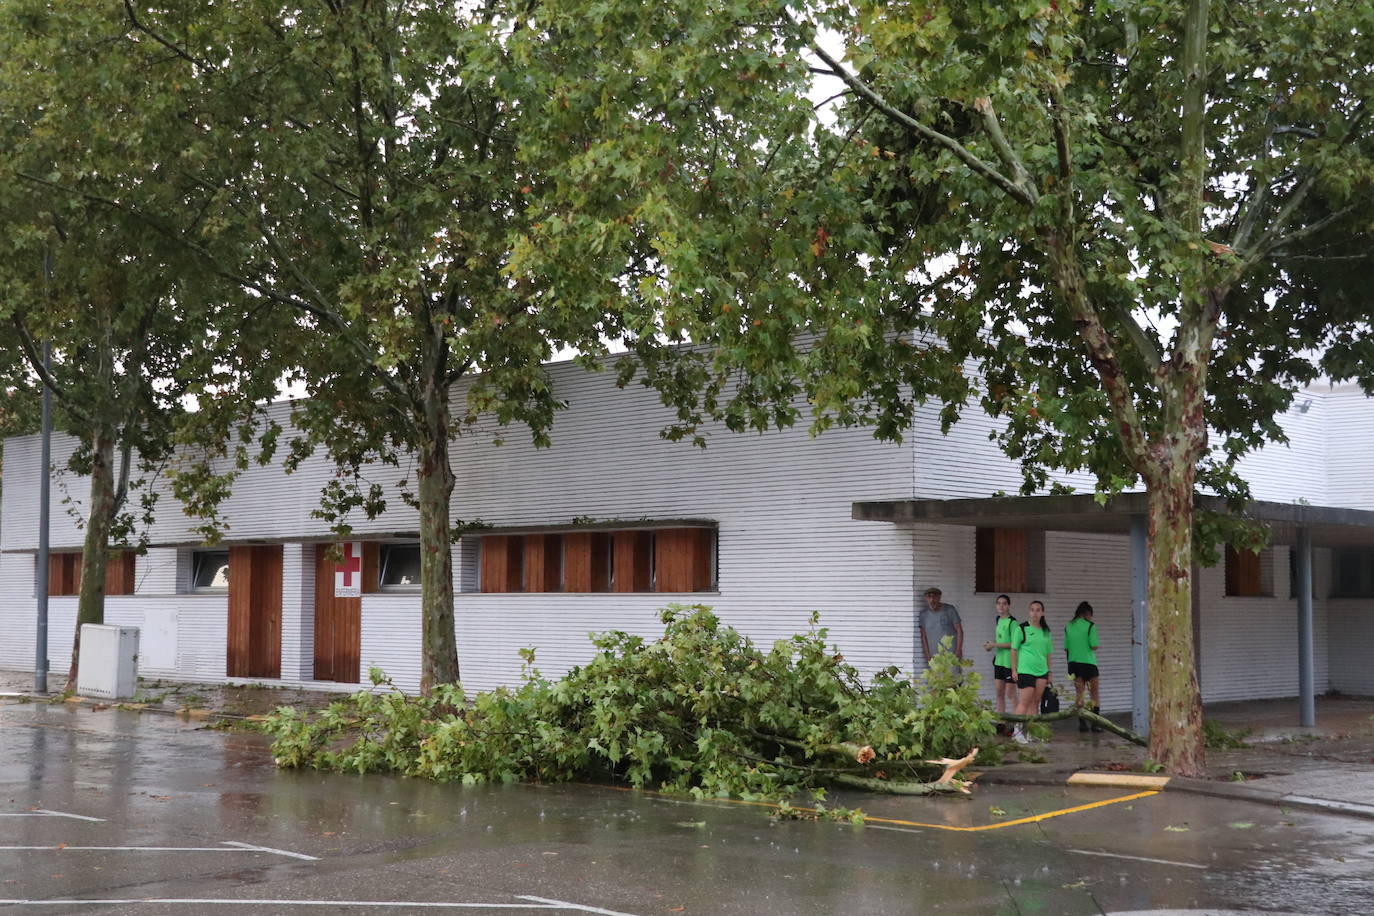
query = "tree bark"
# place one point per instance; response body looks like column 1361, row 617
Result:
column 439, row 647
column 95, row 552
column 1176, row 741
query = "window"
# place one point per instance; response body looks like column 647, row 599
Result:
column 209, row 570
column 542, row 564
column 1249, row 573
column 64, row 573
column 1352, row 574
column 587, row 561
column 684, row 560
column 502, row 565
column 1293, row 573
column 119, row 573
column 1009, row 560
column 398, row 566
column 633, row 560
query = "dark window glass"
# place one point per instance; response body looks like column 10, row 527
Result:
column 1354, row 574
column 399, row 566
column 210, row 569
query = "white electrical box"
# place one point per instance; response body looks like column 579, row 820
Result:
column 109, row 662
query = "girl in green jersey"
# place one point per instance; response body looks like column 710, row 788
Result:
column 1080, row 644
column 1031, row 648
column 1001, row 662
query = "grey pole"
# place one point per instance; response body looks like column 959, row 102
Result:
column 1140, row 672
column 1307, row 696
column 40, row 662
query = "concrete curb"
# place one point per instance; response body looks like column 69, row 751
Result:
column 190, row 713
column 1254, row 794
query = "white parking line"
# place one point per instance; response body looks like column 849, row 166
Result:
column 537, row 903
column 44, row 812
column 1117, row 855
column 565, row 905
column 232, row 847
column 280, row 852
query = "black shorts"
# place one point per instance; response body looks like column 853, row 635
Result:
column 1028, row 680
column 1082, row 670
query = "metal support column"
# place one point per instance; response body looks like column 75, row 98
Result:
column 40, row 573
column 1307, row 696
column 1140, row 677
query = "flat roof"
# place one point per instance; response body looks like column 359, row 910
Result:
column 1331, row 526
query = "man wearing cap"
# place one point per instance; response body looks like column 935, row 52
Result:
column 937, row 621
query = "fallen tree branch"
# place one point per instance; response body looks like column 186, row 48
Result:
column 1088, row 714
column 893, row 787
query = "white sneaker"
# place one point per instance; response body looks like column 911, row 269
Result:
column 1020, row 737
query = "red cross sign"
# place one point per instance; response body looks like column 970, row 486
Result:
column 348, row 574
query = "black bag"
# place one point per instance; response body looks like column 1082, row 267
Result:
column 1049, row 701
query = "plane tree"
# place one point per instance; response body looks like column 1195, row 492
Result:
column 136, row 332
column 359, row 176
column 1145, row 223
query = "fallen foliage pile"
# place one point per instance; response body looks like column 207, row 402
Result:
column 700, row 711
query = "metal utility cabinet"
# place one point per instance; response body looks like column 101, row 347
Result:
column 109, row 662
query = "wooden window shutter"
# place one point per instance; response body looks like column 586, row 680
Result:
column 587, row 561
column 1012, row 560
column 371, row 561
column 1243, row 578
column 55, row 574
column 119, row 573
column 631, row 563
column 1002, row 561
column 64, row 574
column 984, row 550
column 502, row 560
column 682, row 559
column 543, row 563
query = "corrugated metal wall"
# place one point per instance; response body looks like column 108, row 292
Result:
column 787, row 546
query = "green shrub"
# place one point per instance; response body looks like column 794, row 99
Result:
column 1218, row 738
column 700, row 711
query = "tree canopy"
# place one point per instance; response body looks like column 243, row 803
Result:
column 1143, row 223
column 135, row 330
column 356, row 173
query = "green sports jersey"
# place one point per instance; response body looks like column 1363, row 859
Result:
column 1033, row 649
column 1003, row 634
column 1080, row 639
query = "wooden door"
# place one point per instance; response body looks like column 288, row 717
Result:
column 254, row 637
column 338, row 621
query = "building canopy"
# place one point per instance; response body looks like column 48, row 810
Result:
column 1329, row 526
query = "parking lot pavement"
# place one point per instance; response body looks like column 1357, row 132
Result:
column 107, row 811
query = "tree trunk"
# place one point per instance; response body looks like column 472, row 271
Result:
column 439, row 647
column 1175, row 703
column 95, row 553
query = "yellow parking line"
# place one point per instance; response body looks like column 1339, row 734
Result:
column 1021, row 820
column 897, row 821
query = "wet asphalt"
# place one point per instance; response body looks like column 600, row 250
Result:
column 107, row 811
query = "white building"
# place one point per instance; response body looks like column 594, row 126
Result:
column 762, row 527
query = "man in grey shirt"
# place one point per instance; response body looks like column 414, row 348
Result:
column 937, row 621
